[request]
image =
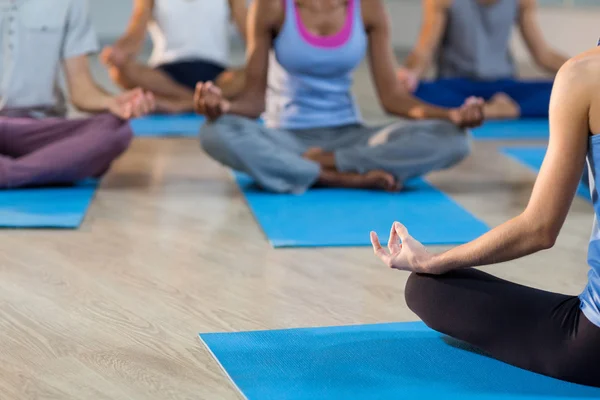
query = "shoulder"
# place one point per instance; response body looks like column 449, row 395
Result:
column 582, row 69
column 577, row 85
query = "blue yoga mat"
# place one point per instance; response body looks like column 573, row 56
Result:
column 343, row 217
column 184, row 125
column 61, row 207
column 533, row 157
column 400, row 361
column 527, row 129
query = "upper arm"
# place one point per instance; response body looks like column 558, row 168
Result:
column 530, row 29
column 239, row 12
column 80, row 37
column 565, row 158
column 262, row 19
column 381, row 56
column 433, row 25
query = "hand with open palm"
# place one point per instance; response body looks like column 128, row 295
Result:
column 404, row 252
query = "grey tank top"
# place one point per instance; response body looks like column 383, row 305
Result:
column 476, row 43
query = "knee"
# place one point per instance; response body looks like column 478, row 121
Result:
column 413, row 292
column 210, row 139
column 120, row 138
column 215, row 137
column 419, row 294
column 458, row 147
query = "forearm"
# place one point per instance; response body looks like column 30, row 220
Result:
column 552, row 61
column 514, row 239
column 406, row 105
column 248, row 105
column 133, row 39
column 92, row 99
column 133, row 43
column 418, row 63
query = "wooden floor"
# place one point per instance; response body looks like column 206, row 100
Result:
column 169, row 249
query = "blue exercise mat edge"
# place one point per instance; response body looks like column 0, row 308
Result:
column 512, row 153
column 159, row 125
column 479, row 226
column 88, row 190
column 417, row 327
column 524, row 129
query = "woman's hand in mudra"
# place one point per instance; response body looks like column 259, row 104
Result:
column 404, row 252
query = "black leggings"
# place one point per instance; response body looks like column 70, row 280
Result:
column 529, row 328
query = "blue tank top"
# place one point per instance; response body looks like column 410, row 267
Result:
column 476, row 42
column 590, row 298
column 310, row 77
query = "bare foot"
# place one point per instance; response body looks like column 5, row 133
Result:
column 318, row 155
column 381, row 180
column 314, row 153
column 378, row 180
column 501, row 106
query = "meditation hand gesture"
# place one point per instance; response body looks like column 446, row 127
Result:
column 405, row 252
column 209, row 101
column 132, row 104
column 469, row 115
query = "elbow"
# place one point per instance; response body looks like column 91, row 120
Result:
column 541, row 62
column 547, row 240
column 395, row 104
column 388, row 107
column 540, row 232
column 78, row 103
column 545, row 236
column 543, row 59
column 258, row 110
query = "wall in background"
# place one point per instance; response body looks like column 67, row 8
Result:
column 571, row 29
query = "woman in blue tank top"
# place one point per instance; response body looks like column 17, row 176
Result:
column 469, row 42
column 300, row 61
column 548, row 333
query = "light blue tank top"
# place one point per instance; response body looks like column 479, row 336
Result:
column 476, row 43
column 590, row 298
column 310, row 77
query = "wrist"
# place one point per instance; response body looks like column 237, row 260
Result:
column 446, row 114
column 436, row 264
column 416, row 72
column 108, row 103
column 452, row 115
column 226, row 107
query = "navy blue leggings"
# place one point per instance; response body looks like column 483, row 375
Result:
column 189, row 72
column 533, row 97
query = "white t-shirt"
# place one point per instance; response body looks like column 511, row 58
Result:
column 189, row 30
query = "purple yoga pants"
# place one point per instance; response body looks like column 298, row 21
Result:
column 36, row 152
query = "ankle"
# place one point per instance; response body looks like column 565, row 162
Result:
column 501, row 106
column 325, row 159
column 378, row 180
